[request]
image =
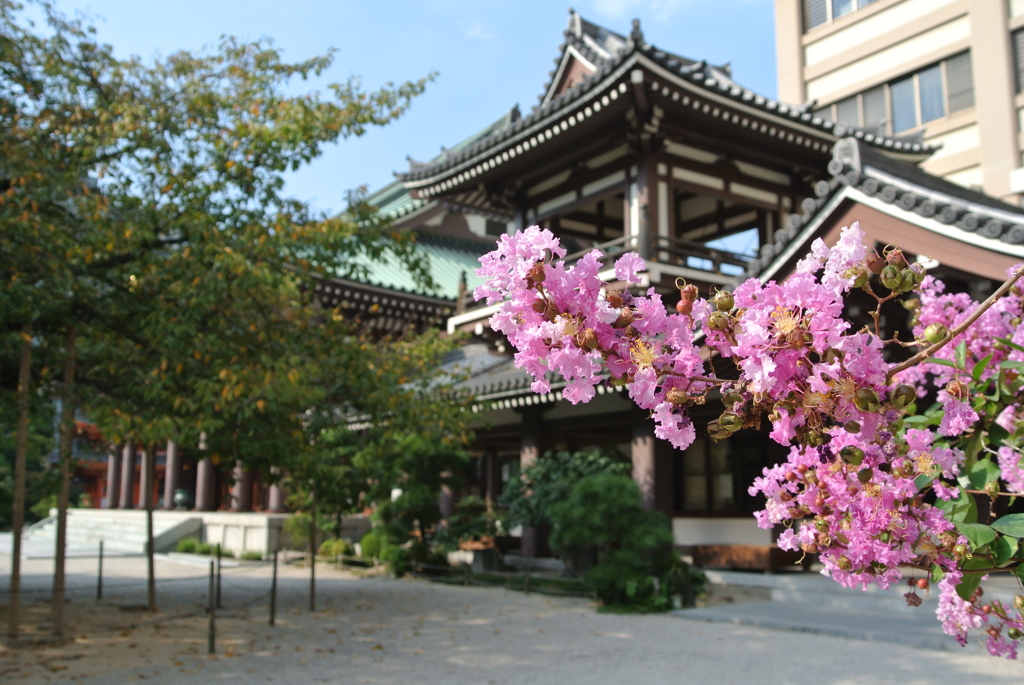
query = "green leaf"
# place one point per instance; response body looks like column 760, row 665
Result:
column 961, row 510
column 981, row 473
column 978, row 533
column 923, row 481
column 1003, row 549
column 941, row 362
column 937, row 573
column 1010, row 343
column 1011, row 524
column 980, row 367
column 1011, row 365
column 961, row 355
column 968, row 585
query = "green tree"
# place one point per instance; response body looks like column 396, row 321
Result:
column 149, row 248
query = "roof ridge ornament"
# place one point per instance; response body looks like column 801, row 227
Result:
column 636, row 36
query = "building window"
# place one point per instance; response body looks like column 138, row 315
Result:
column 911, row 101
column 818, row 12
column 714, row 476
column 1017, row 38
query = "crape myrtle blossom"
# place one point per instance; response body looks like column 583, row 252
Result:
column 855, row 486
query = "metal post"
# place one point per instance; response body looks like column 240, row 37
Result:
column 211, row 643
column 526, row 585
column 273, row 591
column 465, row 575
column 99, row 575
column 312, row 582
column 218, row 575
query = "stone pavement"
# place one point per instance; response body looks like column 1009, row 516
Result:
column 380, row 630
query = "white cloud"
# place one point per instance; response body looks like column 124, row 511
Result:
column 478, row 31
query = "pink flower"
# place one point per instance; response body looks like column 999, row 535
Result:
column 1012, row 468
column 627, row 266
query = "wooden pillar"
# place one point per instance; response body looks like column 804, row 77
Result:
column 643, row 458
column 206, row 482
column 492, row 479
column 241, row 491
column 113, row 476
column 172, row 473
column 275, row 494
column 529, row 451
column 446, row 500
column 127, row 476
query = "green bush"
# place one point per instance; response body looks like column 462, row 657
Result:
column 187, row 545
column 205, row 548
column 550, row 479
column 334, row 547
column 251, row 555
column 624, row 551
column 397, row 558
column 371, row 544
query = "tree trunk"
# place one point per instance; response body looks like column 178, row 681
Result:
column 67, row 436
column 147, row 499
column 20, row 450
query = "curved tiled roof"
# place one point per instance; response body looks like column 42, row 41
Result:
column 858, row 167
column 707, row 77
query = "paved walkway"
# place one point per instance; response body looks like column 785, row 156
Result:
column 379, row 630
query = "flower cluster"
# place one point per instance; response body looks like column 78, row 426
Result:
column 855, row 485
column 561, row 320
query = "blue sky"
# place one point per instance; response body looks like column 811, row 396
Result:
column 489, row 55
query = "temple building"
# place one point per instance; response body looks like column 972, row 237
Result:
column 635, row 148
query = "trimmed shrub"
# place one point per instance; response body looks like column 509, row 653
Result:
column 187, row 545
column 371, row 544
column 626, row 549
column 251, row 555
column 334, row 547
column 397, row 558
column 205, row 548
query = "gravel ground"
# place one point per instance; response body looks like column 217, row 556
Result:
column 380, row 630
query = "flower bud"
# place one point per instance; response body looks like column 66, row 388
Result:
column 844, row 563
column 626, row 317
column 684, row 307
column 813, row 438
column 890, row 277
column 852, row 426
column 907, row 280
column 689, row 292
column 718, row 321
column 539, row 306
column 922, row 583
column 676, row 396
column 852, row 455
column 614, row 298
column 730, row 422
column 731, row 398
column 875, row 263
column 866, row 399
column 1014, row 634
column 1018, row 601
column 961, row 551
column 864, row 475
column 862, row 279
column 919, row 271
column 536, row 273
column 936, row 333
column 902, row 395
column 724, row 300
column 895, row 258
column 587, row 339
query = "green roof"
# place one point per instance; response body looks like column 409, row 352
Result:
column 449, row 258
